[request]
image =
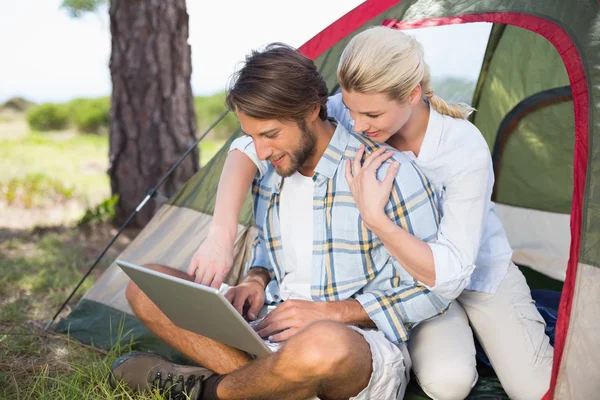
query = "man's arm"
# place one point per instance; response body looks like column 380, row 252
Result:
column 349, row 312
column 294, row 315
column 259, row 275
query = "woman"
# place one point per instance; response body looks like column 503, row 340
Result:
column 386, row 95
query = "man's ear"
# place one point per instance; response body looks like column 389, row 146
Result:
column 415, row 95
column 314, row 114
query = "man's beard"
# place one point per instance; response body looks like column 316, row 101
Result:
column 306, row 149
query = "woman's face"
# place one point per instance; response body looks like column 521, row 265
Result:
column 375, row 115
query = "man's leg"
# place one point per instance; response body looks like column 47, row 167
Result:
column 512, row 333
column 328, row 360
column 213, row 355
column 443, row 355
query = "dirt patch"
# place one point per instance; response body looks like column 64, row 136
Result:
column 14, row 217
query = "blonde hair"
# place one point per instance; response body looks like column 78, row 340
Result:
column 386, row 60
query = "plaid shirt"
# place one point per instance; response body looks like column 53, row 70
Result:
column 350, row 261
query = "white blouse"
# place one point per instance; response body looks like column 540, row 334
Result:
column 472, row 251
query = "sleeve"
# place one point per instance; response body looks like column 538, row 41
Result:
column 336, row 109
column 259, row 255
column 396, row 311
column 412, row 206
column 246, row 146
column 465, row 206
column 260, row 259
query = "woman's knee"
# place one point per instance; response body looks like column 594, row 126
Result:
column 449, row 381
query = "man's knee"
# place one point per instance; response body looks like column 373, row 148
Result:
column 448, row 381
column 132, row 292
column 317, row 352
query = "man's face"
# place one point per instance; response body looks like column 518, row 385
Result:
column 284, row 144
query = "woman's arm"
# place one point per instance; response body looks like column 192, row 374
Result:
column 411, row 252
column 444, row 265
column 214, row 258
column 371, row 197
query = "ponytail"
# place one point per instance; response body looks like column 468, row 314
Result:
column 456, row 110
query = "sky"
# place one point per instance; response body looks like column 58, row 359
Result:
column 46, row 55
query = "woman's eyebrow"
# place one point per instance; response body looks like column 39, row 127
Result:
column 363, row 112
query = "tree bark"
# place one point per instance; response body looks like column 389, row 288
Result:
column 152, row 119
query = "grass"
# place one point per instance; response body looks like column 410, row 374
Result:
column 75, row 161
column 76, row 372
column 40, row 266
column 68, row 164
column 38, row 269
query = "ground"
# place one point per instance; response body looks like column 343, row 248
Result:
column 47, row 183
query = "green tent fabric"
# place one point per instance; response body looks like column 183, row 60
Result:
column 537, row 170
column 547, row 191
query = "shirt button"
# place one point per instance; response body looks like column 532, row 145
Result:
column 276, row 297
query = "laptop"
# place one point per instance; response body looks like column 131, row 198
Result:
column 200, row 309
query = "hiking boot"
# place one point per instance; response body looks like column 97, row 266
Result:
column 146, row 371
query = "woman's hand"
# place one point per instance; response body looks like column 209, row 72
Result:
column 213, row 259
column 370, row 195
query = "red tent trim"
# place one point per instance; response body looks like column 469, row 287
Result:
column 569, row 53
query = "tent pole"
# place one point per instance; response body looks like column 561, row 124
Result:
column 151, row 194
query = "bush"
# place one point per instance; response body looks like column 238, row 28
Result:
column 47, row 117
column 35, row 190
column 102, row 213
column 89, row 115
column 18, row 104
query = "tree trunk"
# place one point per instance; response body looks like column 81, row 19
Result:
column 152, row 113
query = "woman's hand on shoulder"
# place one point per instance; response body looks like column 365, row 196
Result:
column 370, row 194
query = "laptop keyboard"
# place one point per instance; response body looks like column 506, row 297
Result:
column 273, row 346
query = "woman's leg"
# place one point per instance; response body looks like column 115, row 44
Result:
column 443, row 355
column 512, row 333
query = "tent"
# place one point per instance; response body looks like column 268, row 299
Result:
column 538, row 101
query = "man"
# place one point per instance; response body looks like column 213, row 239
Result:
column 348, row 304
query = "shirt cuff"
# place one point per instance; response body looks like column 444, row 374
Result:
column 451, row 277
column 370, row 301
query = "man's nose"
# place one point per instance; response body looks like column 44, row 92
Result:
column 263, row 152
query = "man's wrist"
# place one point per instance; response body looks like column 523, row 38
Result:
column 348, row 312
column 259, row 275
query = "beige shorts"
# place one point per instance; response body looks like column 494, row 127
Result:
column 391, row 367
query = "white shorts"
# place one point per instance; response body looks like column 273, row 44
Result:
column 391, row 367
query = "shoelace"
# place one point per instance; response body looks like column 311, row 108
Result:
column 176, row 390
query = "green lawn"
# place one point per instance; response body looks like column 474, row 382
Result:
column 38, row 269
column 40, row 168
column 40, row 266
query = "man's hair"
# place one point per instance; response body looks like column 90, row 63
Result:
column 278, row 83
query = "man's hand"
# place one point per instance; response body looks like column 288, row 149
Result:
column 251, row 292
column 291, row 317
column 213, row 259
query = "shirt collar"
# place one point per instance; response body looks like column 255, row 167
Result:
column 433, row 136
column 331, row 158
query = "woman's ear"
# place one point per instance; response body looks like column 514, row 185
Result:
column 415, row 95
